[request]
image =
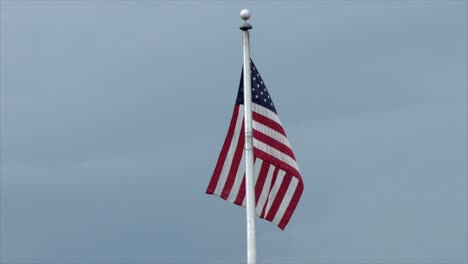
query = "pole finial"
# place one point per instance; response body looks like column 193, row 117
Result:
column 245, row 14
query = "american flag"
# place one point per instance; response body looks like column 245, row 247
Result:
column 278, row 183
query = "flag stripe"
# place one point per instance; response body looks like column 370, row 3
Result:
column 231, row 152
column 272, row 142
column 275, row 153
column 270, row 186
column 268, row 122
column 244, row 201
column 262, row 174
column 279, row 163
column 237, row 187
column 224, row 150
column 274, row 191
column 270, row 132
column 279, row 197
column 234, row 166
column 286, row 200
column 292, row 205
column 258, row 109
column 265, row 189
column 241, row 195
column 237, row 180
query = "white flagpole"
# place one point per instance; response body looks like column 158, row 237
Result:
column 249, row 158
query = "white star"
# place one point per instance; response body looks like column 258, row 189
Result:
column 264, row 100
column 261, row 92
column 258, row 85
column 261, row 82
column 254, row 78
column 256, row 96
column 258, row 75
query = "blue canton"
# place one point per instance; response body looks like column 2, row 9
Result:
column 260, row 93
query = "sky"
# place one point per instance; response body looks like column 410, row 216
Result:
column 113, row 114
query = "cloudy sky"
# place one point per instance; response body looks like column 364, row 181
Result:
column 113, row 114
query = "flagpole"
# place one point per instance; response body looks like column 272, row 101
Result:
column 249, row 158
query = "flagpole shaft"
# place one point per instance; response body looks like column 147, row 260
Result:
column 249, row 155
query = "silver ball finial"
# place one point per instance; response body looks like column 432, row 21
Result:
column 245, row 14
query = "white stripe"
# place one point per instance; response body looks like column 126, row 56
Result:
column 238, row 180
column 265, row 190
column 265, row 112
column 276, row 153
column 286, row 200
column 274, row 190
column 270, row 132
column 232, row 148
column 257, row 166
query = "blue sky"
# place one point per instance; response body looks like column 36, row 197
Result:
column 113, row 114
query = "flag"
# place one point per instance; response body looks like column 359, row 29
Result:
column 278, row 183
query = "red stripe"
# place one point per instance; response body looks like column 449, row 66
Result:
column 279, row 197
column 292, row 205
column 273, row 143
column 273, row 179
column 222, row 156
column 268, row 122
column 241, row 195
column 261, row 180
column 234, row 165
column 276, row 162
